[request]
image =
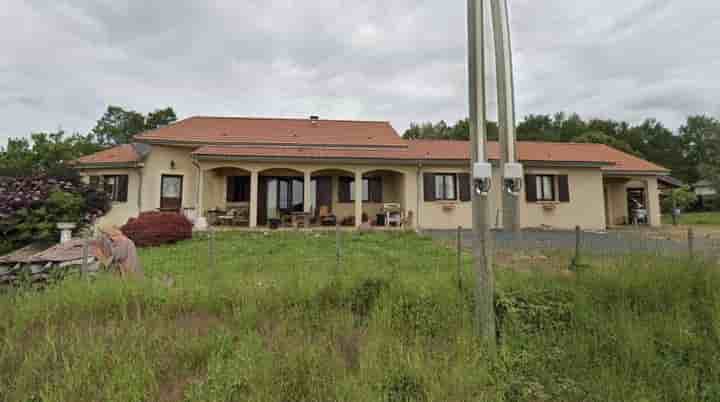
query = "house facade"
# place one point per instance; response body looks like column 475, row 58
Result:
column 353, row 170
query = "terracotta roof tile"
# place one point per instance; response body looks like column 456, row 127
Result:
column 240, row 130
column 117, row 155
column 450, row 151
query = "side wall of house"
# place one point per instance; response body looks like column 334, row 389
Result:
column 159, row 163
column 120, row 211
column 617, row 195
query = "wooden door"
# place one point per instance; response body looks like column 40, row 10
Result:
column 171, row 191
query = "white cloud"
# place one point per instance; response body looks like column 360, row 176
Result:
column 64, row 61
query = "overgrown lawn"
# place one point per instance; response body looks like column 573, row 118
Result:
column 276, row 318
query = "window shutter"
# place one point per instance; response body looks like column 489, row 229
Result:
column 429, row 187
column 530, row 188
column 344, row 189
column 464, row 186
column 122, row 183
column 230, row 189
column 563, row 188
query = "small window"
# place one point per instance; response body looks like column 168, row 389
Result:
column 545, row 188
column 446, row 187
column 115, row 186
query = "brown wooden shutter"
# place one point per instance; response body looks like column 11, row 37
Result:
column 122, row 183
column 563, row 188
column 464, row 187
column 344, row 189
column 530, row 188
column 429, row 187
column 230, row 189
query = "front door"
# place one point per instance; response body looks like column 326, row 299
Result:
column 171, row 193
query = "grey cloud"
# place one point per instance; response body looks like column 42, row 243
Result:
column 401, row 60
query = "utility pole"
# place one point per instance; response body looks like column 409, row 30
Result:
column 512, row 170
column 482, row 177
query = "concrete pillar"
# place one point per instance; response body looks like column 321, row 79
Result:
column 201, row 193
column 254, row 184
column 358, row 198
column 307, row 195
column 652, row 193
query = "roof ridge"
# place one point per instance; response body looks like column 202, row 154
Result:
column 284, row 119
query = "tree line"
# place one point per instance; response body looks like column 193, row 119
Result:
column 47, row 151
column 691, row 154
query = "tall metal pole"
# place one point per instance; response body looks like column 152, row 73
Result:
column 485, row 288
column 506, row 114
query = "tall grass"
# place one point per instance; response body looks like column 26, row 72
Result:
column 276, row 319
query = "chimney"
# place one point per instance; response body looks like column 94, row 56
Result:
column 314, row 120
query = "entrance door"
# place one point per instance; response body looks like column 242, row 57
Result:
column 171, row 193
column 637, row 209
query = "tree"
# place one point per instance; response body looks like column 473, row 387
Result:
column 118, row 126
column 441, row 131
column 700, row 136
column 596, row 137
column 160, row 118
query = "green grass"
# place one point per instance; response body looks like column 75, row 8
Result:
column 276, row 319
column 695, row 218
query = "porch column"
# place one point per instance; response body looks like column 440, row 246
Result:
column 358, row 198
column 201, row 193
column 307, row 199
column 254, row 184
column 652, row 195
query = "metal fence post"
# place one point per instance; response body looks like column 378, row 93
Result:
column 337, row 246
column 85, row 255
column 691, row 243
column 211, row 250
column 576, row 262
column 459, row 257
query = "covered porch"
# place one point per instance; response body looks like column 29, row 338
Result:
column 631, row 200
column 278, row 196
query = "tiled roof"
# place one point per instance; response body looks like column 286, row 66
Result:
column 450, row 151
column 118, row 155
column 259, row 131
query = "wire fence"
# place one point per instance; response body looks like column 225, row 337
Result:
column 394, row 252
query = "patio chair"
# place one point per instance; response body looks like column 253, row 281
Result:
column 393, row 214
column 326, row 218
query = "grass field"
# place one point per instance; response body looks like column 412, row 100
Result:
column 275, row 318
column 695, row 218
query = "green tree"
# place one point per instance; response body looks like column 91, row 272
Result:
column 700, row 135
column 596, row 137
column 160, row 118
column 460, row 131
column 118, row 126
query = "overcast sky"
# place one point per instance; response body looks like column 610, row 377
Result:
column 63, row 61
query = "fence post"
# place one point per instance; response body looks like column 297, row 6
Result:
column 576, row 262
column 337, row 246
column 85, row 255
column 691, row 243
column 211, row 249
column 459, row 257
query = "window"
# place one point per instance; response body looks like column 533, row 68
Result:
column 371, row 190
column 238, row 189
column 445, row 187
column 545, row 188
column 115, row 186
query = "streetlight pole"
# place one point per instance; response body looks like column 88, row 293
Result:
column 482, row 176
column 512, row 170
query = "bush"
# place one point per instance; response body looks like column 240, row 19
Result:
column 158, row 228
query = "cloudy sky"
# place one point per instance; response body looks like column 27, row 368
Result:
column 63, row 61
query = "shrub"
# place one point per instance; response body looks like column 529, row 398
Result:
column 158, row 228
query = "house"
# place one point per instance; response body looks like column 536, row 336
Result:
column 352, row 169
column 705, row 192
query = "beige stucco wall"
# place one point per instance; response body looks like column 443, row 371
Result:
column 616, row 188
column 404, row 185
column 158, row 163
column 120, row 211
column 585, row 209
